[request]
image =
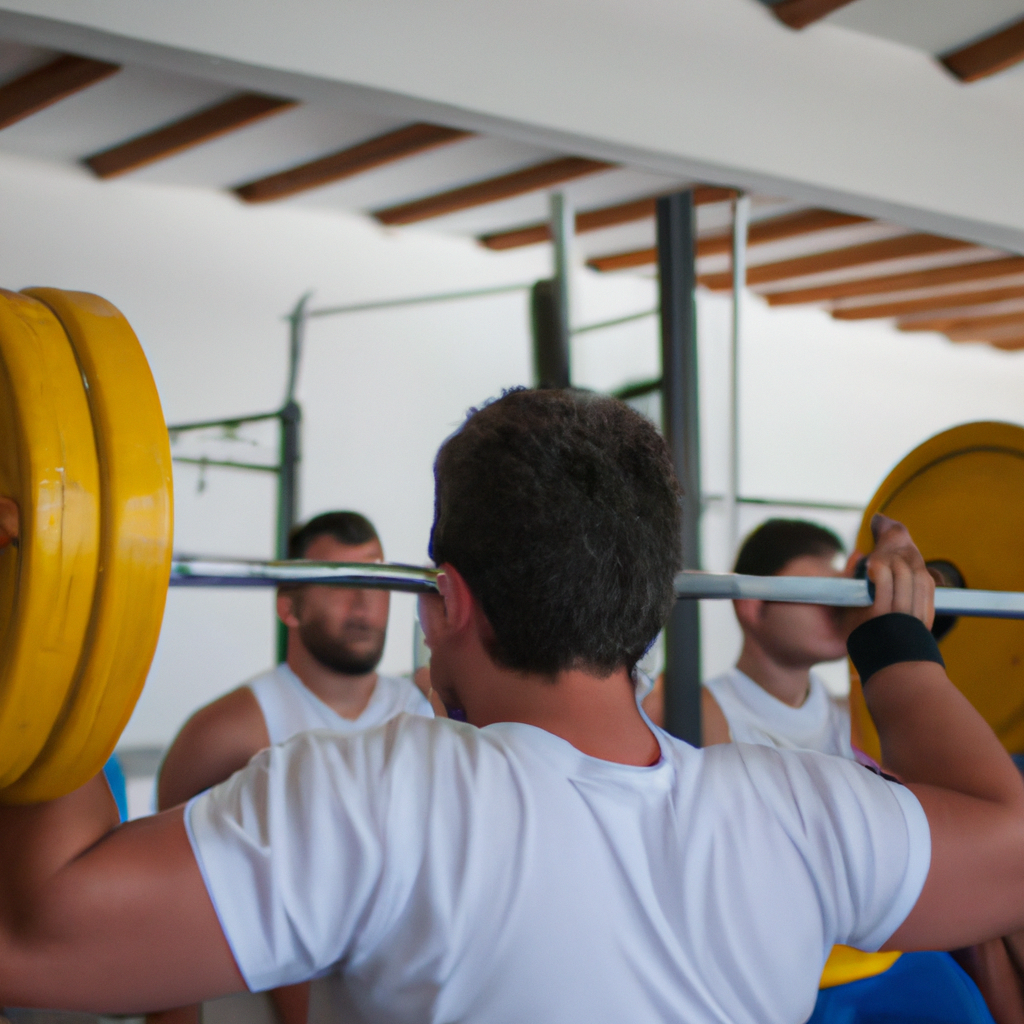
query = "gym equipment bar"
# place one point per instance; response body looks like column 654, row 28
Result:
column 690, row 584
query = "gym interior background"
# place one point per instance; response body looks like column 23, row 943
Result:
column 207, row 279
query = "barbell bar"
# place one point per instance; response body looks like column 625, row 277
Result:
column 690, row 585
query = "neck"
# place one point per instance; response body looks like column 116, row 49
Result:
column 789, row 683
column 598, row 716
column 345, row 694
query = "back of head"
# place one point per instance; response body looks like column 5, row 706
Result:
column 775, row 543
column 561, row 511
column 349, row 528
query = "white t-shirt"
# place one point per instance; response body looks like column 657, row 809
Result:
column 289, row 707
column 501, row 876
column 821, row 723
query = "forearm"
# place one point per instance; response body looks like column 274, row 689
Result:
column 931, row 735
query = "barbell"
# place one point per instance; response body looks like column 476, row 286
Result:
column 689, row 584
column 85, row 458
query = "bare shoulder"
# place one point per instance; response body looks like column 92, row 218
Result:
column 213, row 744
column 714, row 726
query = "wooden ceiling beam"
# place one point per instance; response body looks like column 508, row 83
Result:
column 605, row 217
column 771, row 229
column 900, row 247
column 801, row 13
column 933, row 303
column 979, row 270
column 204, row 126
column 988, row 56
column 49, row 84
column 492, row 190
column 365, row 156
column 954, row 323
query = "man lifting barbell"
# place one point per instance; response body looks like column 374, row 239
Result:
column 555, row 859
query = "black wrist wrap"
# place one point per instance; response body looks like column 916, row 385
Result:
column 889, row 639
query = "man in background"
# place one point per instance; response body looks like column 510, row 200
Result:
column 774, row 697
column 329, row 680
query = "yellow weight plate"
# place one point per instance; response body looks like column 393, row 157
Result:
column 961, row 495
column 135, row 546
column 48, row 465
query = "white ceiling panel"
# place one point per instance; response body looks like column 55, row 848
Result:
column 133, row 101
column 447, row 167
column 590, row 192
column 934, row 26
column 273, row 144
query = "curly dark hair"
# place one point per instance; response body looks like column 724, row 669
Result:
column 561, row 511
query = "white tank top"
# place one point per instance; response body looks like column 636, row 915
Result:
column 821, row 723
column 289, row 707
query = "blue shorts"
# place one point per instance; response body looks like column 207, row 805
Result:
column 920, row 988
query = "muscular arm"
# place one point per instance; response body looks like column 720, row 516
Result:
column 973, row 796
column 214, row 743
column 92, row 916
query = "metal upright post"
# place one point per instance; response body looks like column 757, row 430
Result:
column 676, row 233
column 563, row 228
column 550, row 305
column 740, row 225
column 290, row 419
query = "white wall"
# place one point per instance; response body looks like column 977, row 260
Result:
column 828, row 408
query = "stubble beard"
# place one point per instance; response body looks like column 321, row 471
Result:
column 334, row 653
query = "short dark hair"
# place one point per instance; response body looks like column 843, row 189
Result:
column 345, row 527
column 777, row 542
column 561, row 511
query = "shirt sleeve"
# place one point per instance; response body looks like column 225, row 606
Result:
column 864, row 840
column 312, row 808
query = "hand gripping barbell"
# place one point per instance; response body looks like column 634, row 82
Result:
column 85, row 457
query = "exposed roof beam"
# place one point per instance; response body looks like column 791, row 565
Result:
column 606, row 217
column 505, row 186
column 988, row 56
column 209, row 124
column 956, row 323
column 980, row 270
column 771, row 229
column 936, row 303
column 55, row 81
column 775, row 229
column 384, row 149
column 901, row 247
column 801, row 13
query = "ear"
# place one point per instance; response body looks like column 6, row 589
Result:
column 451, row 611
column 286, row 607
column 748, row 612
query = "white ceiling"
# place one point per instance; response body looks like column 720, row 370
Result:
column 934, row 26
